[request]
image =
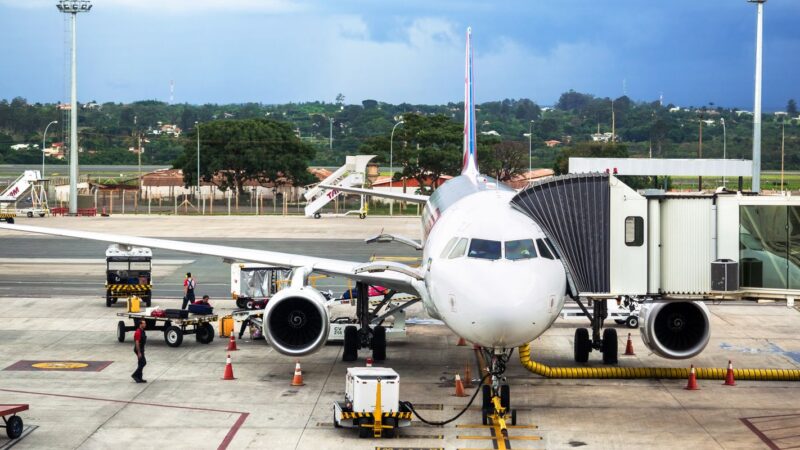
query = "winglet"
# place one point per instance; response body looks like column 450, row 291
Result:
column 470, row 165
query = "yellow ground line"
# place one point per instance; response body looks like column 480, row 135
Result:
column 501, row 438
column 491, row 426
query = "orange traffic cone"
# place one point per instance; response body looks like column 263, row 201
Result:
column 467, row 377
column 459, row 387
column 692, row 384
column 461, row 342
column 228, row 375
column 729, row 381
column 369, row 362
column 232, row 343
column 629, row 347
column 298, row 375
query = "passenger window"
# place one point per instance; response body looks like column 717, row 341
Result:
column 634, row 231
column 543, row 249
column 521, row 249
column 552, row 247
column 448, row 247
column 459, row 249
column 483, row 249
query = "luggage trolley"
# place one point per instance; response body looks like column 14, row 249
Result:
column 128, row 272
column 13, row 424
column 174, row 328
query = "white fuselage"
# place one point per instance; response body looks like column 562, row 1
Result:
column 488, row 294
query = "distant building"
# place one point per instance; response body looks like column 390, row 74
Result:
column 19, row 147
column 709, row 122
column 56, row 150
column 552, row 143
column 490, row 133
column 743, row 113
column 675, row 109
column 603, row 137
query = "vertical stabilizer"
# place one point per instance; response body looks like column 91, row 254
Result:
column 470, row 164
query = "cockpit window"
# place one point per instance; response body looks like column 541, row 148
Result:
column 552, row 247
column 448, row 247
column 521, row 249
column 483, row 249
column 543, row 249
column 459, row 249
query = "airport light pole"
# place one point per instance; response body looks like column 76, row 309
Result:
column 724, row 150
column 44, row 138
column 330, row 136
column 391, row 165
column 757, row 97
column 197, row 126
column 530, row 148
column 73, row 7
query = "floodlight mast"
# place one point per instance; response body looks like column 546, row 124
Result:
column 757, row 100
column 73, row 8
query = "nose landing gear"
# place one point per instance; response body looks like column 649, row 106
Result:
column 496, row 405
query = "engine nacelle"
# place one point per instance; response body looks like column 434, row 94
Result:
column 296, row 321
column 675, row 329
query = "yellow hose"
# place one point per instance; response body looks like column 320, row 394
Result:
column 651, row 372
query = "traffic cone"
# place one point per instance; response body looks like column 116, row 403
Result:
column 298, row 375
column 629, row 347
column 467, row 377
column 461, row 342
column 692, row 384
column 729, row 381
column 232, row 343
column 228, row 375
column 459, row 387
column 369, row 362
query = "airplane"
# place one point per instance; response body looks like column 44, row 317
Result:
column 488, row 271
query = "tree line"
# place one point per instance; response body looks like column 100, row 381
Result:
column 429, row 141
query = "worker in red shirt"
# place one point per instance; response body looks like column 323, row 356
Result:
column 189, row 284
column 139, row 341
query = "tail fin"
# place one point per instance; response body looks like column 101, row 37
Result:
column 470, row 164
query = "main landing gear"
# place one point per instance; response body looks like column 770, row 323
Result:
column 496, row 404
column 607, row 345
column 366, row 335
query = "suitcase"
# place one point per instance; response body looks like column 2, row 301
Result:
column 176, row 313
column 201, row 309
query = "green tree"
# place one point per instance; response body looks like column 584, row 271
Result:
column 791, row 107
column 503, row 160
column 233, row 152
column 430, row 147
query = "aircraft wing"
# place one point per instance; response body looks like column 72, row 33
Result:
column 414, row 198
column 391, row 275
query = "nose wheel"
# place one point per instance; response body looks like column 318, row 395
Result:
column 496, row 397
column 607, row 345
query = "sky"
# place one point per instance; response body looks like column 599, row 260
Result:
column 693, row 52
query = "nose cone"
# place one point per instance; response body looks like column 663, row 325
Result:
column 501, row 303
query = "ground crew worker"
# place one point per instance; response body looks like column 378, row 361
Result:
column 189, row 284
column 139, row 341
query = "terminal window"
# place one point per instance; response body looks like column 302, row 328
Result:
column 769, row 246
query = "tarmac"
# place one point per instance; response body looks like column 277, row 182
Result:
column 185, row 404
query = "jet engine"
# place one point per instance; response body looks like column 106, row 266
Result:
column 675, row 329
column 296, row 321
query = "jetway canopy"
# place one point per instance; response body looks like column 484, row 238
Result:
column 663, row 167
column 615, row 241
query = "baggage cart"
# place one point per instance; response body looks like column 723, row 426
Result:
column 174, row 329
column 13, row 423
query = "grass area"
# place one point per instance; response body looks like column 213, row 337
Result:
column 769, row 181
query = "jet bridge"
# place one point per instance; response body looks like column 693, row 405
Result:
column 615, row 241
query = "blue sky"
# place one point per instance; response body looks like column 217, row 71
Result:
column 276, row 51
